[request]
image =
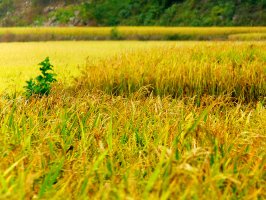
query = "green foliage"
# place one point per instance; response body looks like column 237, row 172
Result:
column 107, row 12
column 51, row 178
column 41, row 85
column 5, row 7
column 63, row 16
column 176, row 13
column 115, row 34
column 142, row 12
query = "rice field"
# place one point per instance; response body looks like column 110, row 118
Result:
column 248, row 36
column 18, row 61
column 139, row 120
column 126, row 33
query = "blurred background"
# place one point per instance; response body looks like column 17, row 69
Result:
column 132, row 12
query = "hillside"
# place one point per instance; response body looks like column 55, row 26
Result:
column 132, row 12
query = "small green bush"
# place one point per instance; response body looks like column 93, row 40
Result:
column 115, row 34
column 41, row 85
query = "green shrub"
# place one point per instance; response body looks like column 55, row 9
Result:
column 64, row 15
column 115, row 34
column 41, row 85
column 5, row 6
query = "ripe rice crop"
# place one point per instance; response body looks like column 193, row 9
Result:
column 183, row 120
column 18, row 60
column 248, row 36
column 86, row 145
column 234, row 69
column 125, row 33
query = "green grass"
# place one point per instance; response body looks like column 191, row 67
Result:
column 142, row 141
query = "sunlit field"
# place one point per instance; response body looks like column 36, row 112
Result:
column 139, row 120
column 206, row 68
column 127, row 33
column 18, row 61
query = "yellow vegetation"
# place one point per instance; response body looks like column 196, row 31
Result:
column 18, row 61
column 182, row 120
column 135, row 33
column 248, row 36
column 195, row 69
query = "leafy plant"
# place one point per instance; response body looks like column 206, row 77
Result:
column 41, row 85
column 115, row 34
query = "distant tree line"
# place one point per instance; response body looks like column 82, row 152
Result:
column 146, row 12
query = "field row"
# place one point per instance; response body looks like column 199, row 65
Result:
column 235, row 69
column 131, row 33
column 18, row 60
column 177, row 69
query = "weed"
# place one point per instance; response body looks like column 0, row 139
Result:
column 41, row 85
column 115, row 34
